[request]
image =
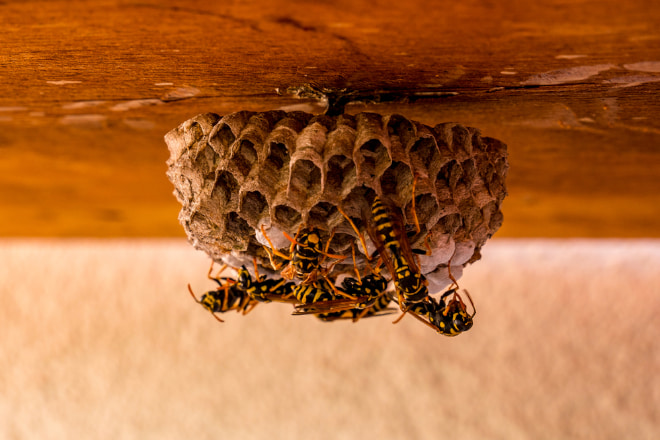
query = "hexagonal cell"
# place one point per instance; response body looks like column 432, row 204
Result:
column 375, row 159
column 426, row 207
column 226, row 189
column 238, row 231
column 244, row 157
column 323, row 216
column 278, row 157
column 341, row 243
column 225, row 132
column 400, row 130
column 396, row 183
column 287, row 217
column 304, row 180
column 253, row 208
column 340, row 176
column 424, row 154
column 222, row 138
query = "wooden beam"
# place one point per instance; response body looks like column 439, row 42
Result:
column 89, row 89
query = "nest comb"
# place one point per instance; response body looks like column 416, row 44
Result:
column 286, row 170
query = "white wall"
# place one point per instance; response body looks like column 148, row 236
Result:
column 100, row 339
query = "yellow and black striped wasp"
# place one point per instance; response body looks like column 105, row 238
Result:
column 394, row 250
column 242, row 294
column 305, row 255
column 389, row 237
column 369, row 296
column 447, row 318
column 264, row 289
column 228, row 296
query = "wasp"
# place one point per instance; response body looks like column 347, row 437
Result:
column 244, row 293
column 448, row 318
column 228, row 296
column 305, row 255
column 264, row 289
column 370, row 299
column 394, row 250
column 318, row 291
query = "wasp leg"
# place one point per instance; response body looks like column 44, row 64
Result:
column 474, row 309
column 414, row 210
column 272, row 251
column 355, row 268
column 225, row 300
column 359, row 234
column 403, row 309
column 337, row 291
column 396, row 321
column 361, row 314
column 193, row 295
column 451, row 277
column 250, row 306
column 327, row 247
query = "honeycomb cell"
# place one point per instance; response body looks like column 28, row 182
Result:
column 244, row 157
column 278, row 157
column 287, row 217
column 226, row 188
column 340, row 176
column 304, row 182
column 424, row 153
column 323, row 216
column 253, row 202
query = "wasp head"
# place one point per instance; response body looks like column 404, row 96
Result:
column 244, row 281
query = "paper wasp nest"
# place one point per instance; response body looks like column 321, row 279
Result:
column 235, row 173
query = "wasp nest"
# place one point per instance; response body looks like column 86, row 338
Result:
column 285, row 170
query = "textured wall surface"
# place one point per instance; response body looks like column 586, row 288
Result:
column 100, row 339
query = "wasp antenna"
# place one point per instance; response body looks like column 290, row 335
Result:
column 270, row 251
column 293, row 240
column 290, row 238
column 193, row 295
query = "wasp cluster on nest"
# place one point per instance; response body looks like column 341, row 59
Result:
column 254, row 186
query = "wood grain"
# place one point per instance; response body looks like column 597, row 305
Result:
column 89, row 88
